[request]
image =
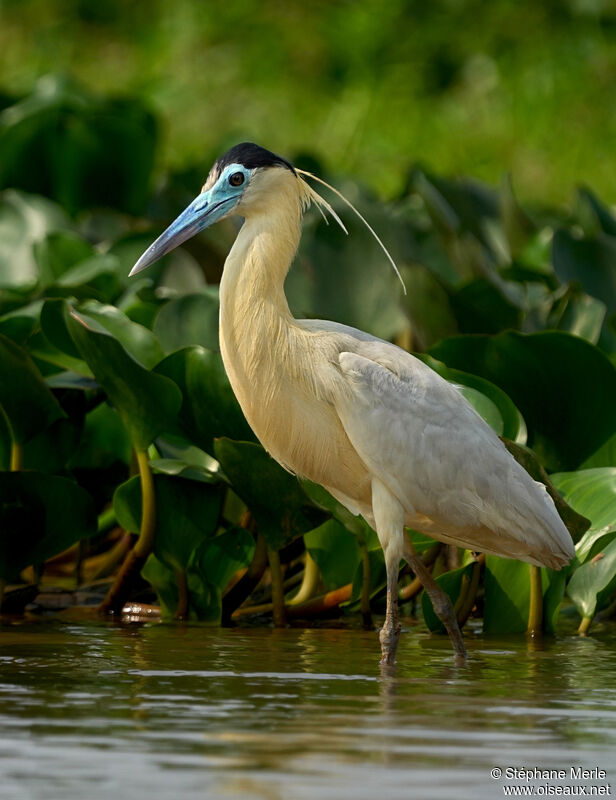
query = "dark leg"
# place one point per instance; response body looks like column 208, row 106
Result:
column 390, row 632
column 440, row 601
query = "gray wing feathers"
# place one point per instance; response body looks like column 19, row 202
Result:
column 419, row 435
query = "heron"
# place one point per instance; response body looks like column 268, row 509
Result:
column 380, row 430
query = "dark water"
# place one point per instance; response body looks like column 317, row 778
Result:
column 164, row 712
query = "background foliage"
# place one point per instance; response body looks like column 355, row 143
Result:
column 103, row 378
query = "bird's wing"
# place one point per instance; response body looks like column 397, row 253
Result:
column 419, row 436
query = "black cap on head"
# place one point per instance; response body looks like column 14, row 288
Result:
column 251, row 156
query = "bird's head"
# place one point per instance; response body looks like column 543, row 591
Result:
column 237, row 182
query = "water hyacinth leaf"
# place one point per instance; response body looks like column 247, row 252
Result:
column 220, row 557
column 183, row 469
column 563, row 386
column 480, row 306
column 147, row 403
column 335, row 551
column 428, row 306
column 507, row 595
column 40, row 515
column 592, row 214
column 163, row 581
column 58, row 253
column 281, row 509
column 25, row 398
column 589, row 262
column 104, row 440
column 209, row 407
column 212, row 564
column 187, row 512
column 591, row 492
column 94, row 277
column 138, row 341
column 189, row 320
column 451, row 583
column 314, row 289
column 19, row 324
column 580, row 314
column 82, row 150
column 593, row 582
column 24, row 220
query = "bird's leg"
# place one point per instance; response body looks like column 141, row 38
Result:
column 389, row 522
column 390, row 632
column 440, row 601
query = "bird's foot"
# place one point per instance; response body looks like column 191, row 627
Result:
column 389, row 636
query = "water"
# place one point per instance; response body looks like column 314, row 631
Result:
column 175, row 713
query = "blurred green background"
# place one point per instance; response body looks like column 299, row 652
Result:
column 461, row 86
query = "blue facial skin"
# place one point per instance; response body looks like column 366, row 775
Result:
column 205, row 210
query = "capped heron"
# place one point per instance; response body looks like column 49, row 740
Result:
column 380, row 430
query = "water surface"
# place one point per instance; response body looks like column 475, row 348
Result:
column 176, row 713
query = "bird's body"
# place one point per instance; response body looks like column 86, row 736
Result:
column 385, row 434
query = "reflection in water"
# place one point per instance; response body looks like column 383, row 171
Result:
column 194, row 712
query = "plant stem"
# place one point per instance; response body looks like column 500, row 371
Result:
column 365, row 586
column 181, row 611
column 278, row 609
column 17, row 456
column 120, row 591
column 309, row 582
column 584, row 626
column 148, row 507
column 247, row 583
column 535, row 613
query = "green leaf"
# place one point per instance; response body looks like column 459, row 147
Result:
column 451, row 583
column 507, row 595
column 591, row 492
column 209, row 408
column 594, row 581
column 589, row 262
column 57, row 253
column 138, row 341
column 104, row 440
column 335, row 551
column 148, row 403
column 315, row 289
column 40, row 515
column 187, row 512
column 219, row 558
column 189, row 320
column 280, row 507
column 25, row 398
column 563, row 386
column 24, row 220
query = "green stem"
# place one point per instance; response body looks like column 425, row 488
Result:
column 17, row 456
column 309, row 582
column 278, row 609
column 535, row 613
column 106, row 520
column 584, row 626
column 124, row 581
column 181, row 611
column 145, row 541
column 365, row 585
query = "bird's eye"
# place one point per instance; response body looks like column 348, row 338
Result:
column 237, row 179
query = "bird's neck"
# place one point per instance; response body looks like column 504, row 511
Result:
column 255, row 320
